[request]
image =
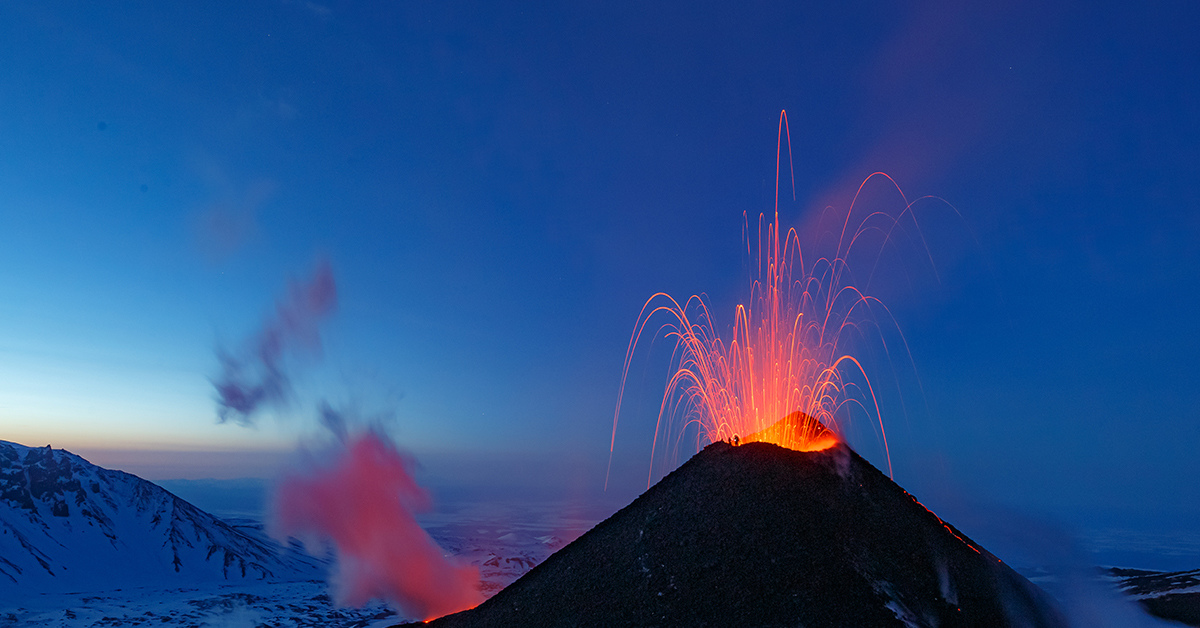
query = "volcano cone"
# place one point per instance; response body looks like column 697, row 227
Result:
column 760, row 535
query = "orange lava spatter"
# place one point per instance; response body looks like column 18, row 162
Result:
column 786, row 374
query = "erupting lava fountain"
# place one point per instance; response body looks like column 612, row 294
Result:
column 786, row 376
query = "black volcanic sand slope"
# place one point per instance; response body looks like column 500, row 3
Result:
column 759, row 535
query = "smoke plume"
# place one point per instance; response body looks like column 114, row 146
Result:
column 258, row 376
column 364, row 502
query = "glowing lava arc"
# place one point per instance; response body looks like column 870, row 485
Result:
column 789, row 353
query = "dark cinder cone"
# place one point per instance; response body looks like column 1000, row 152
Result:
column 760, row 535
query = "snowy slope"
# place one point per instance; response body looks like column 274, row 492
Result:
column 504, row 540
column 68, row 525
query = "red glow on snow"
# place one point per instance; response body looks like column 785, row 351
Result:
column 364, row 503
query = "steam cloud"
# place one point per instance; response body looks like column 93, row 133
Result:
column 258, row 377
column 364, row 502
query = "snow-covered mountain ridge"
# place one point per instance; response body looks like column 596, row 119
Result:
column 68, row 525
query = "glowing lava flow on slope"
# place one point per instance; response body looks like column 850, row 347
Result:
column 785, row 376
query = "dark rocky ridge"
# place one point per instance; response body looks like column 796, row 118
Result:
column 759, row 535
column 1169, row 595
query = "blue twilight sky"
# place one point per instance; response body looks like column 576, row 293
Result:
column 498, row 187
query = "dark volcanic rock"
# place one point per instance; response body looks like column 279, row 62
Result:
column 759, row 535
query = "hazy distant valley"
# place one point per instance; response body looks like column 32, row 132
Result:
column 85, row 546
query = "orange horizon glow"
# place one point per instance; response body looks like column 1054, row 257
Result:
column 786, row 375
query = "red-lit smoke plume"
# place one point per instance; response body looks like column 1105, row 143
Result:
column 364, row 503
column 258, row 377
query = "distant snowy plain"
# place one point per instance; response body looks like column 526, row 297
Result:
column 81, row 545
column 504, row 542
column 502, row 548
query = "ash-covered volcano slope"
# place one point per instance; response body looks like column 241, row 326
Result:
column 760, row 535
